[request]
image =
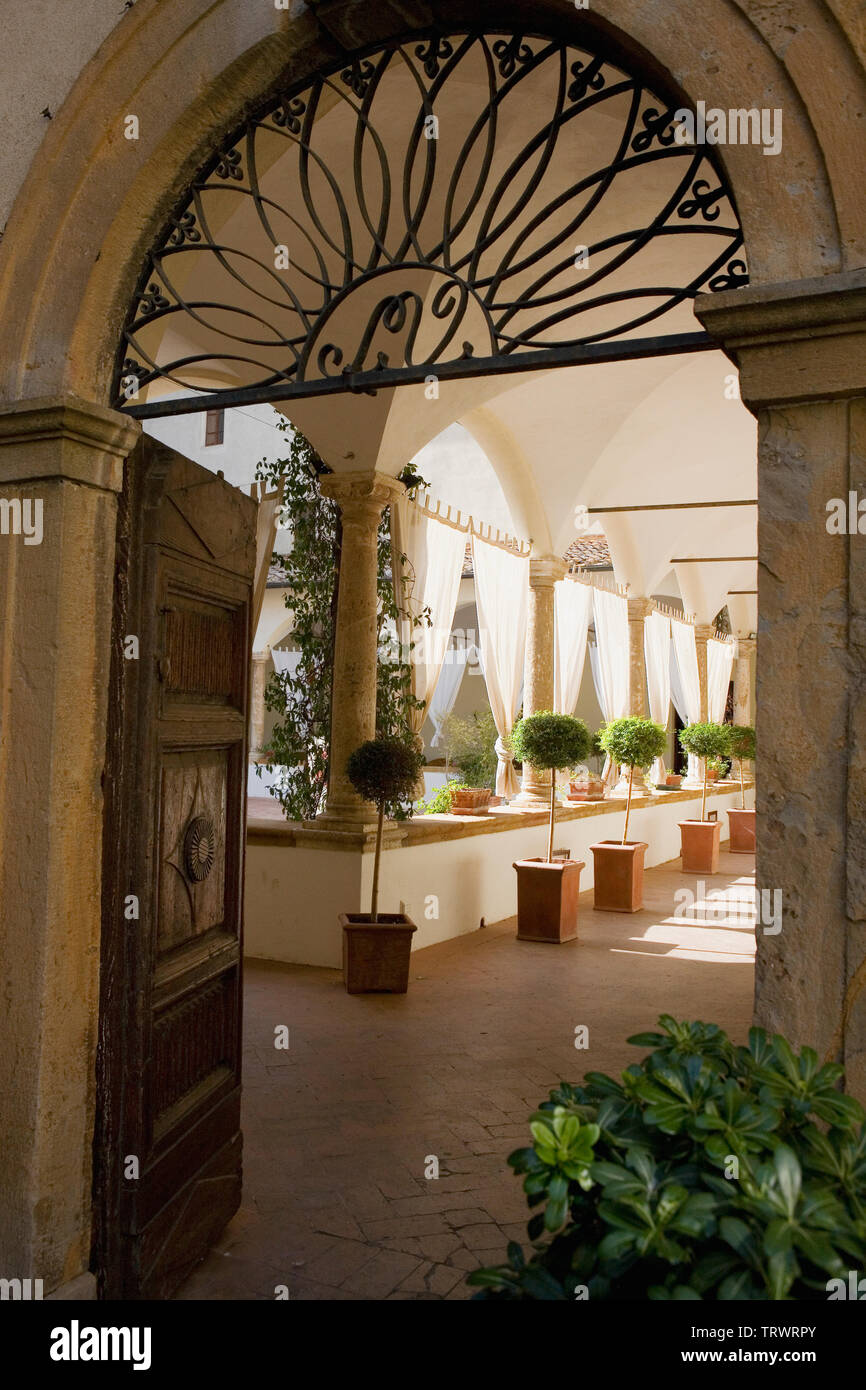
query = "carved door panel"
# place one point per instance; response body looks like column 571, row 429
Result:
column 168, row 1142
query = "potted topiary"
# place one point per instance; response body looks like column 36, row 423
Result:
column 742, row 821
column 700, row 838
column 548, row 890
column 618, row 866
column 376, row 946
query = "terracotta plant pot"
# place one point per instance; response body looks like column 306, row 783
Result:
column 673, row 779
column 742, row 825
column 590, row 789
column 700, row 845
column 618, row 873
column 376, row 954
column 470, row 801
column 547, row 896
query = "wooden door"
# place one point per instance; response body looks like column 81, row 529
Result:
column 168, row 1142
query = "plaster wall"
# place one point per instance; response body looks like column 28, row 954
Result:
column 294, row 893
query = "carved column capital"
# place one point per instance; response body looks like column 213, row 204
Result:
column 361, row 497
column 545, row 571
column 639, row 608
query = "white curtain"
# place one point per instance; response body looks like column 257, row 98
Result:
column 610, row 614
column 610, row 658
column 720, row 656
column 429, row 578
column 678, row 699
column 285, row 661
column 657, row 652
column 502, row 599
column 686, row 652
column 572, row 604
column 447, row 687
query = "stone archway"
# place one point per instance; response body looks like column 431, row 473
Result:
column 69, row 260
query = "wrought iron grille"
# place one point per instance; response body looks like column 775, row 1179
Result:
column 443, row 207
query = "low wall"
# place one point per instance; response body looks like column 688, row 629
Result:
column 447, row 874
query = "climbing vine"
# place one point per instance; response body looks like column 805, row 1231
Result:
column 297, row 751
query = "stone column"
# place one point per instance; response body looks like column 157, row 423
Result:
column 638, row 610
column 362, row 498
column 61, row 463
column 743, row 712
column 801, row 351
column 538, row 666
column 703, row 633
column 257, row 703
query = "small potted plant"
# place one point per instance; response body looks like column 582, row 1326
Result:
column 742, row 822
column 585, row 785
column 548, row 890
column 618, row 866
column 673, row 780
column 376, row 946
column 470, row 801
column 700, row 838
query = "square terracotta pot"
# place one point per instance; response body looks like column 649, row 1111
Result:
column 618, row 874
column 742, row 824
column 470, row 801
column 376, row 954
column 700, row 845
column 547, row 897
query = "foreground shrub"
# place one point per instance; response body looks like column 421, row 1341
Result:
column 709, row 1171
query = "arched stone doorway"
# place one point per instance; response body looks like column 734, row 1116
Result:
column 796, row 334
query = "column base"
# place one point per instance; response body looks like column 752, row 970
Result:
column 531, row 801
column 353, row 833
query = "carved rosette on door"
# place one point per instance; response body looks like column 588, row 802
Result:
column 193, row 843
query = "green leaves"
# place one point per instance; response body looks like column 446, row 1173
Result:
column 633, row 742
column 384, row 769
column 550, row 740
column 708, row 1171
column 301, row 699
column 561, row 1155
column 706, row 740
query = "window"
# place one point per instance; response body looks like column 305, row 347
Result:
column 214, row 428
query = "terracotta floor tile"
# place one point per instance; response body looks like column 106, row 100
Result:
column 382, row 1275
column 337, row 1129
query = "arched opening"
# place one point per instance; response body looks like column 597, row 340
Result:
column 382, row 431
column 498, row 230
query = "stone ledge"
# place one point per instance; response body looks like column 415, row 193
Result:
column 421, row 830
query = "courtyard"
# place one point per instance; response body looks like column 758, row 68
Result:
column 340, row 1127
column 431, row 447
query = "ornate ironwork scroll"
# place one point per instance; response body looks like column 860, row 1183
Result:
column 450, row 206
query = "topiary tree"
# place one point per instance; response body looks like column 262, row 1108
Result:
column 706, row 741
column 741, row 743
column 551, row 742
column 632, row 743
column 383, row 770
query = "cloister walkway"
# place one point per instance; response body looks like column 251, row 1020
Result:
column 339, row 1128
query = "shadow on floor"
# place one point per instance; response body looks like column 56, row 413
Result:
column 339, row 1129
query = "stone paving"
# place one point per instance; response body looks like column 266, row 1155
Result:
column 340, row 1127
